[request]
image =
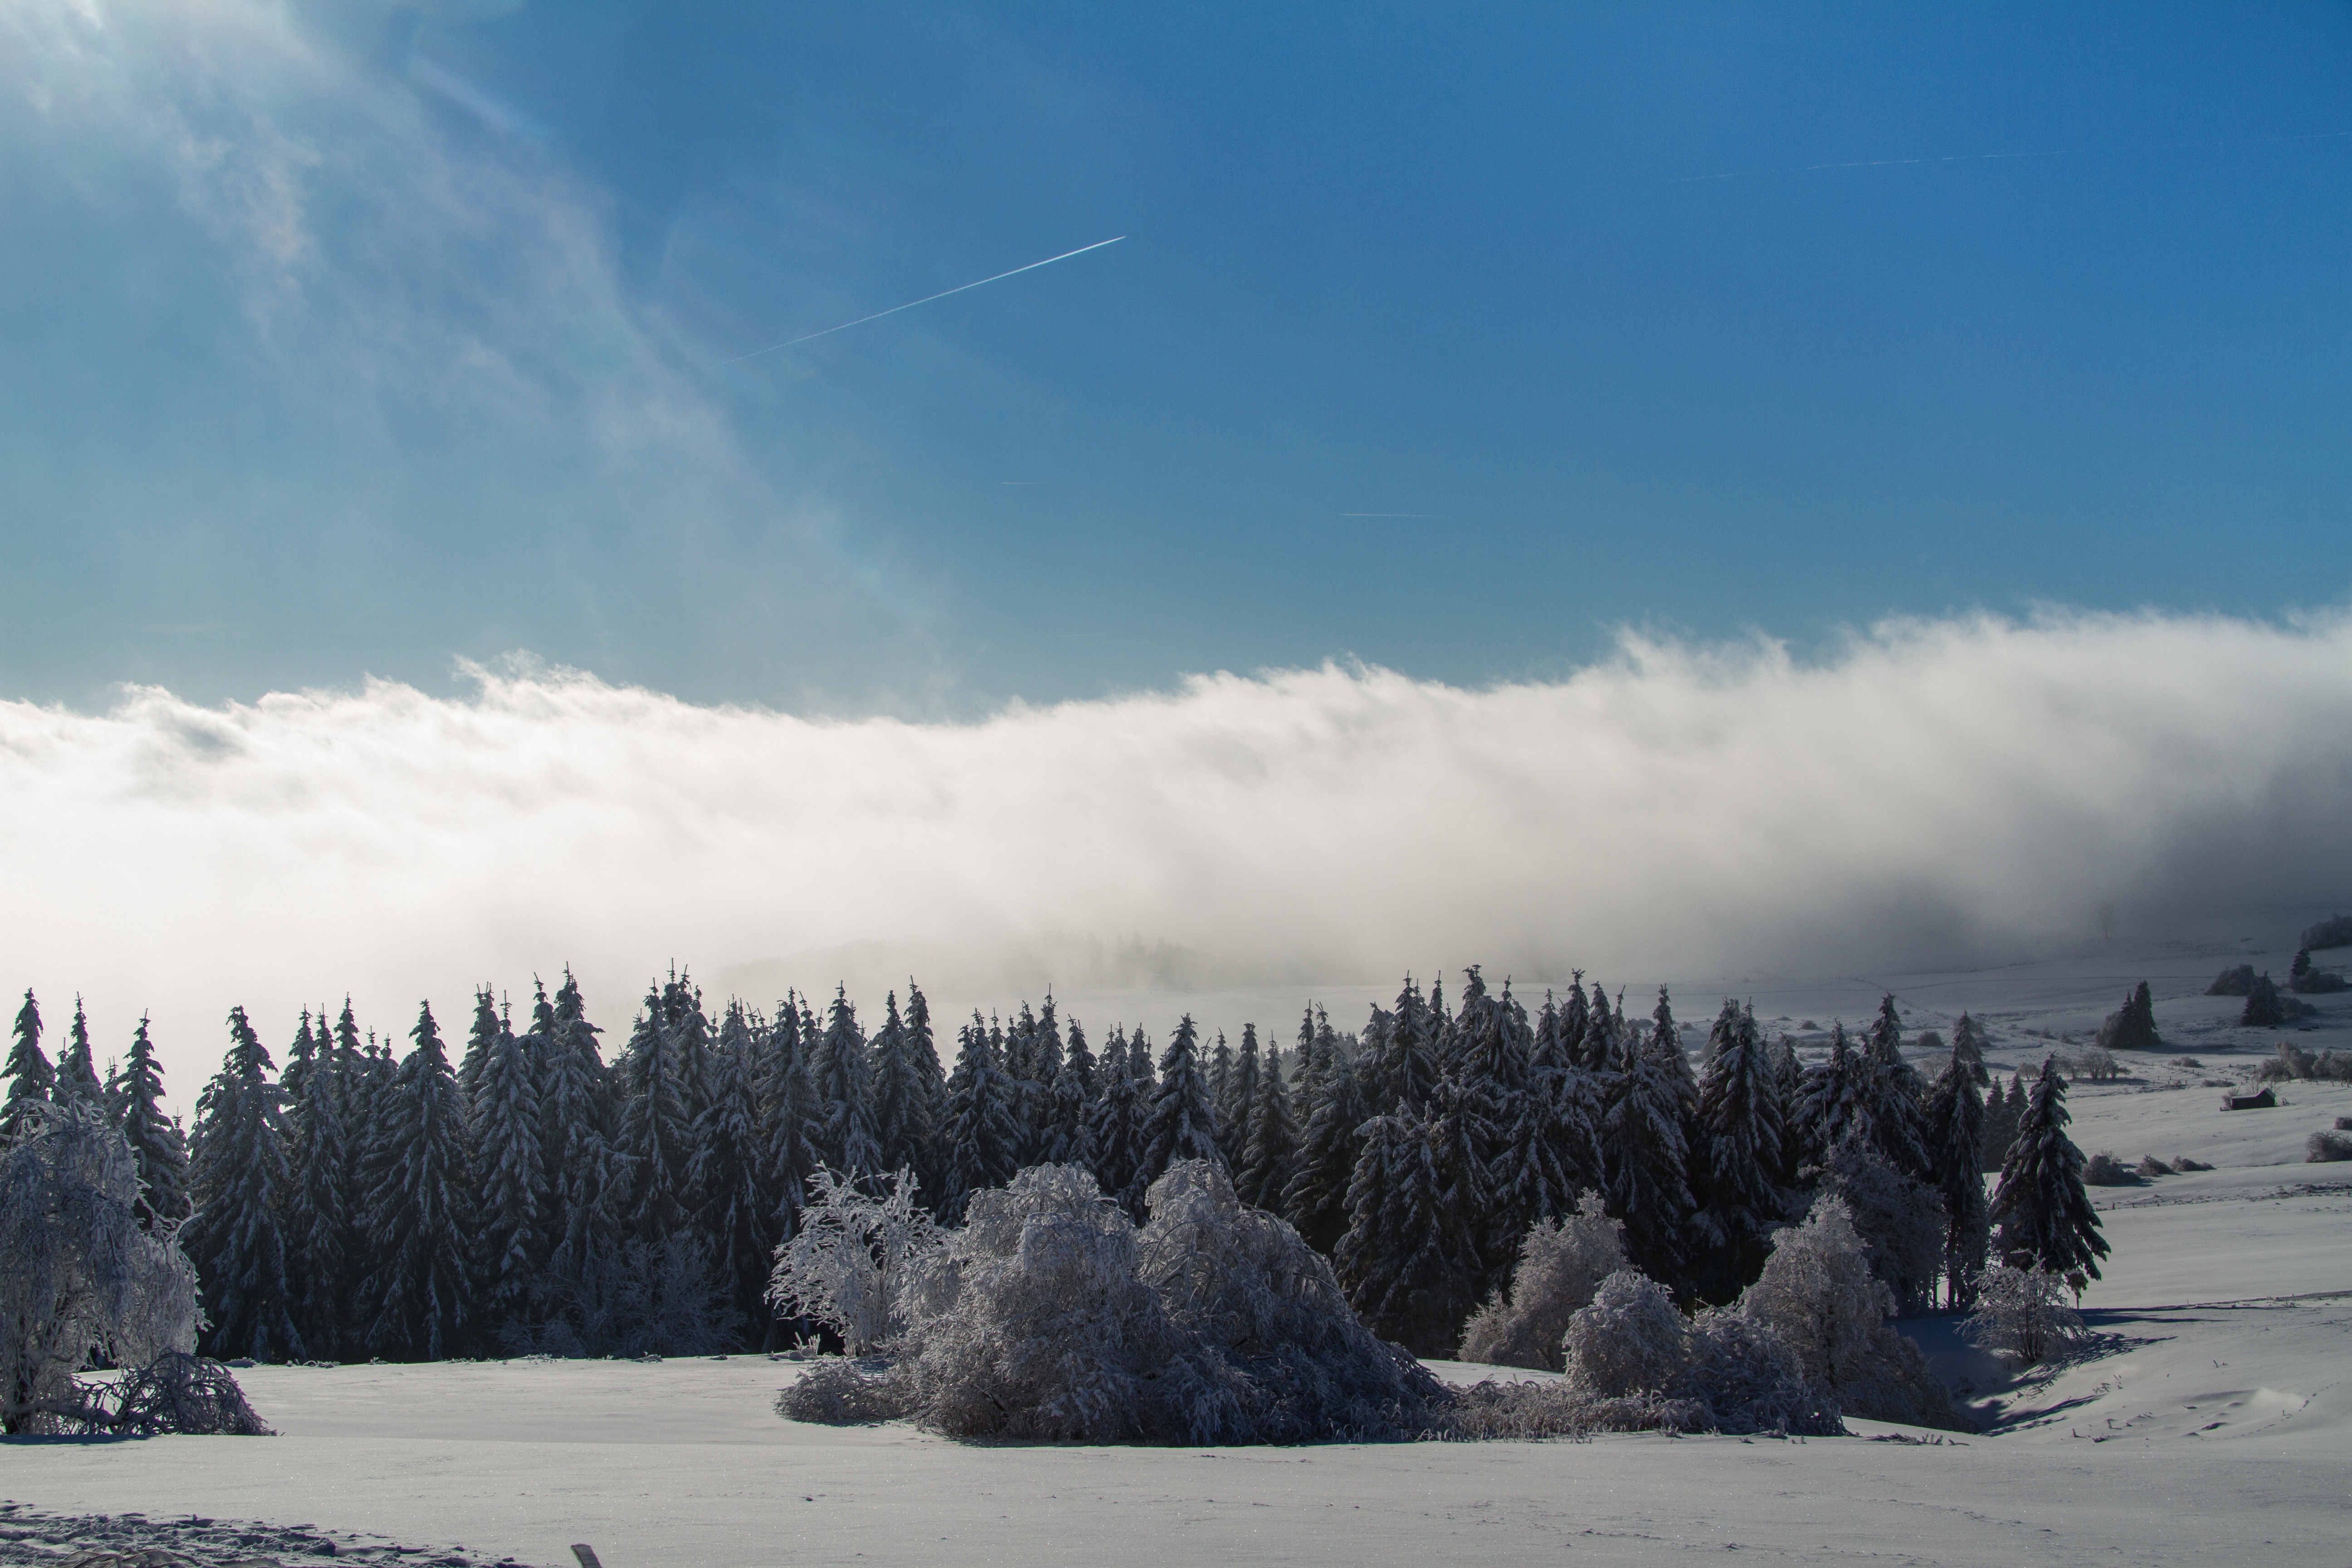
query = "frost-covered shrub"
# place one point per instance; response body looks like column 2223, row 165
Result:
column 2104, row 1170
column 1051, row 1316
column 2184, row 1165
column 2237, row 982
column 2328, row 1147
column 79, row 1275
column 1630, row 1339
column 2023, row 1313
column 853, row 1262
column 181, row 1395
column 1817, row 1293
column 1561, row 1264
column 2150, row 1167
column 2334, row 931
column 1750, row 1379
column 836, row 1394
column 1900, row 1221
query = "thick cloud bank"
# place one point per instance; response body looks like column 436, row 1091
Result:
column 1931, row 791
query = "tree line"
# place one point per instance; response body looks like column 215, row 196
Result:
column 530, row 1197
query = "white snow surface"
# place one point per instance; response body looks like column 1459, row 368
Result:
column 2209, row 1422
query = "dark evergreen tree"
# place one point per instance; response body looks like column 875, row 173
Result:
column 1643, row 1136
column 1220, row 1081
column 1139, row 1063
column 2132, row 1026
column 1894, row 1096
column 1576, row 1025
column 843, row 1077
column 789, row 1118
column 1316, row 1201
column 1832, row 1108
column 982, row 1135
column 691, row 1043
column 1956, row 1128
column 420, row 1216
column 1271, row 1151
column 160, row 1153
column 1235, row 1104
column 583, row 1181
column 238, row 1179
column 1788, row 1078
column 1737, row 1160
column 653, row 1134
column 77, row 1069
column 318, row 1158
column 1406, row 1260
column 1072, row 1102
column 1488, row 1096
column 923, row 1050
column 479, row 1040
column 31, row 1079
column 1180, row 1124
column 2043, row 1214
column 1113, row 1146
column 511, row 1177
column 902, row 1102
column 736, row 1211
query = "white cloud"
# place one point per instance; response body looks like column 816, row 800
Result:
column 1934, row 790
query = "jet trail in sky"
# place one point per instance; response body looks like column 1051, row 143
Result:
column 926, row 300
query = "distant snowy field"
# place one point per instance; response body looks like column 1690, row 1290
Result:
column 2213, row 1424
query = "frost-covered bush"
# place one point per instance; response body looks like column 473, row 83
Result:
column 2104, row 1170
column 79, row 1275
column 1817, row 1293
column 2334, row 931
column 852, row 1264
column 1900, row 1221
column 2292, row 1064
column 2184, row 1165
column 1630, row 1339
column 2023, row 1313
column 1751, row 1380
column 181, row 1395
column 2235, row 982
column 1561, row 1264
column 2150, row 1167
column 836, row 1392
column 1051, row 1316
column 2328, row 1147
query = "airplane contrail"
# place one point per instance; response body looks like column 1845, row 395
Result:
column 926, row 300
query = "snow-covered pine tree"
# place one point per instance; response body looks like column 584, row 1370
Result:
column 1236, row 1105
column 1956, row 1127
column 1576, row 1025
column 238, row 1178
column 1315, row 1200
column 788, row 1118
column 1180, row 1124
column 1830, row 1108
column 736, row 1217
column 1553, row 1150
column 691, row 1043
column 652, row 1133
column 1138, row 1065
column 575, row 1129
column 1737, row 1160
column 420, row 1216
column 983, row 1137
column 317, row 1219
column 479, row 1040
column 1643, row 1135
column 1604, row 1043
column 843, row 1076
column 1111, row 1148
column 1460, row 1134
column 1491, row 1076
column 31, row 1079
column 2044, row 1217
column 902, row 1128
column 1405, row 1074
column 1221, row 1079
column 2132, row 1026
column 156, row 1146
column 1073, row 1099
column 77, row 1069
column 1406, row 1260
column 1271, row 1151
column 923, row 1050
column 1788, row 1078
column 1896, row 1096
column 510, row 1179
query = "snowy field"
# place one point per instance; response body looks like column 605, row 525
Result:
column 2211, row 1421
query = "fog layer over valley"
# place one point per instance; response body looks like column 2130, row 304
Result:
column 1930, row 792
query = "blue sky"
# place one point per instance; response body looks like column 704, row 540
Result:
column 349, row 340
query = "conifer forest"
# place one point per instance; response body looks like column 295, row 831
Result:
column 502, row 1186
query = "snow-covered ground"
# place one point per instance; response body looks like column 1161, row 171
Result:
column 2210, row 1424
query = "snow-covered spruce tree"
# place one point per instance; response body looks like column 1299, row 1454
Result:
column 31, row 1079
column 1407, row 1261
column 736, row 1213
column 1220, row 1074
column 1956, row 1135
column 479, row 1040
column 2043, row 1215
column 1738, row 1159
column 1892, row 1090
column 1832, row 1107
column 1492, row 1042
column 2023, row 1313
column 1271, row 1151
column 1180, row 1123
column 923, row 1051
column 238, row 1180
column 1138, row 1065
column 1315, row 1200
column 652, row 1133
column 510, row 1179
column 1575, row 1023
column 2132, row 1026
column 77, row 1067
column 158, row 1153
column 788, row 1114
column 84, row 1275
column 688, row 1026
column 420, row 1216
column 1072, row 1098
column 574, row 1126
column 1112, row 1144
column 1053, row 1317
column 1405, row 1070
column 901, row 1104
column 981, row 1137
column 1817, row 1293
column 1788, row 1078
column 856, row 1261
column 1552, row 1149
column 843, row 1077
column 1652, row 1101
column 1232, row 1105
column 1561, row 1263
column 319, row 1156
